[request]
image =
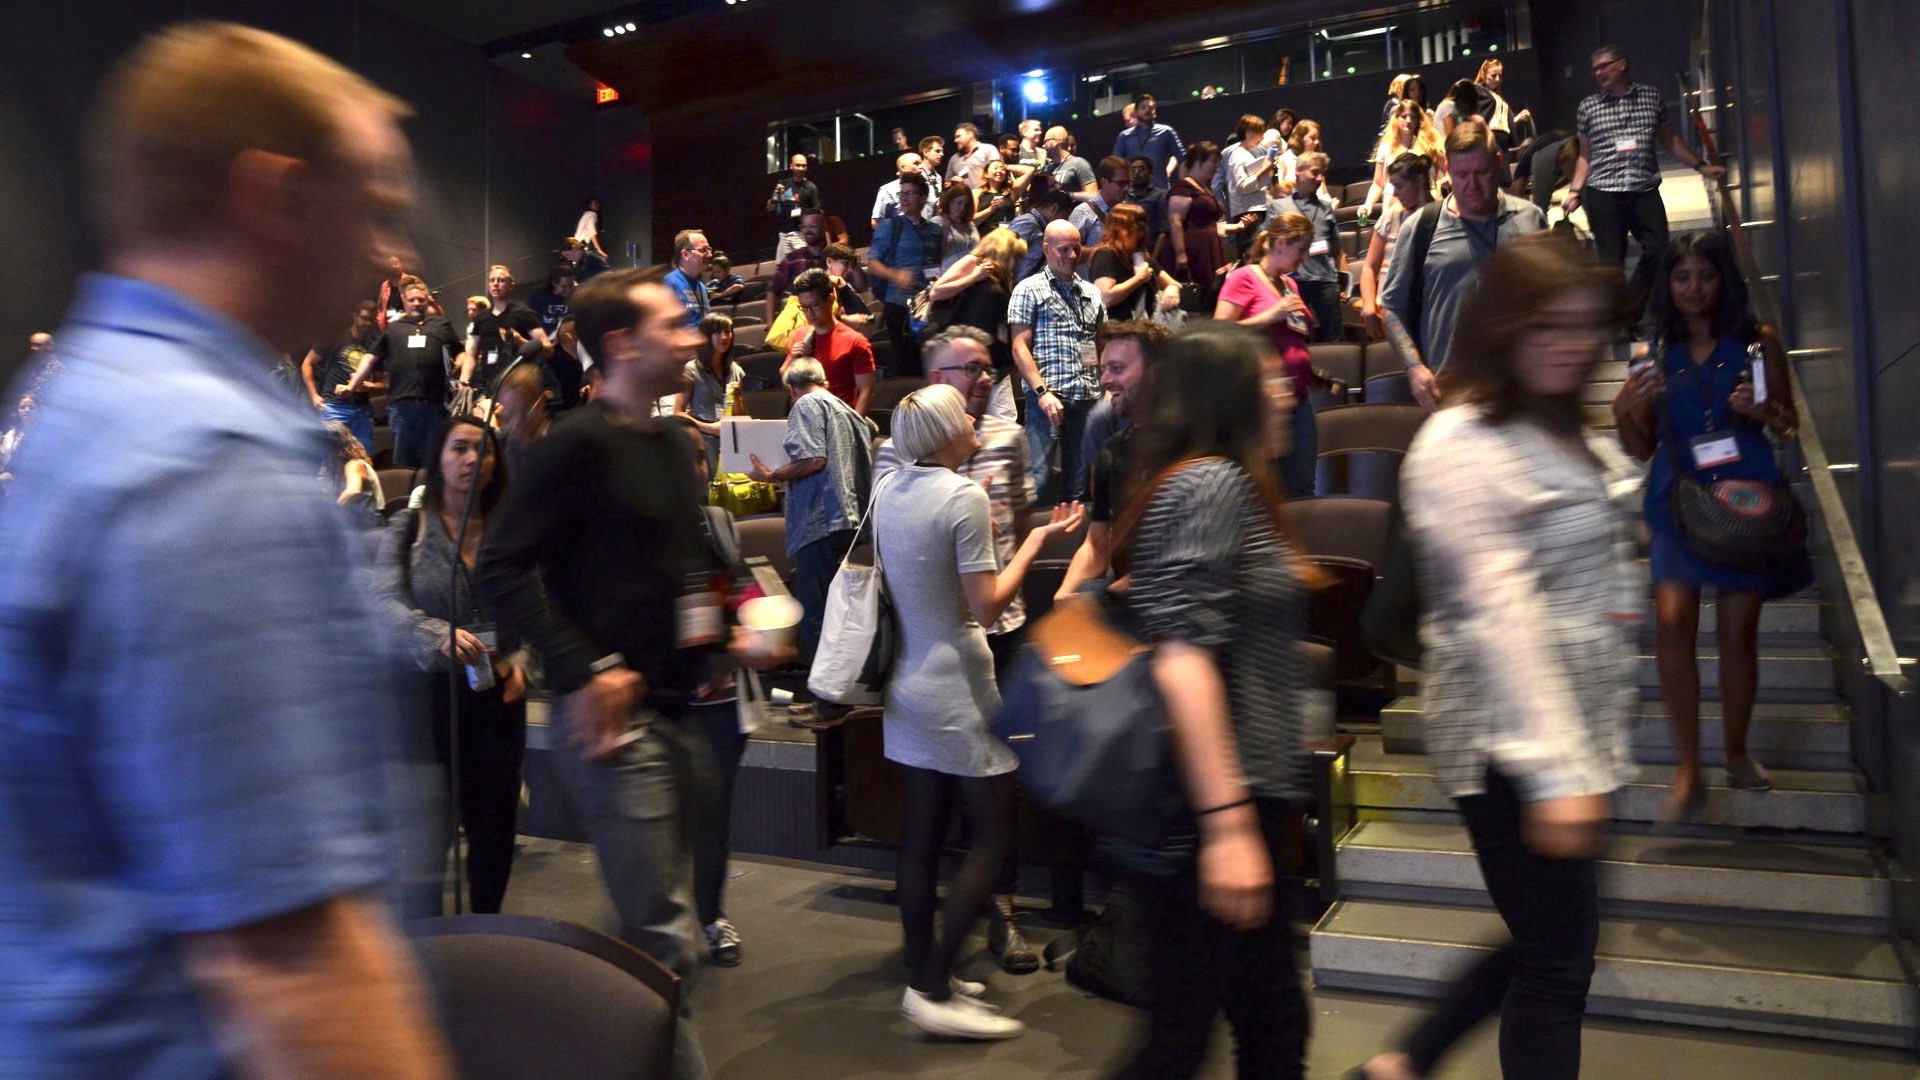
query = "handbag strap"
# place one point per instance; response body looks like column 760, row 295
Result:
column 866, row 526
column 1662, row 426
column 1137, row 508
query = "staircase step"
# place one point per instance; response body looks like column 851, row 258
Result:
column 1787, row 736
column 1686, row 878
column 1784, row 623
column 1601, row 391
column 1766, row 979
column 1786, row 674
column 1828, row 802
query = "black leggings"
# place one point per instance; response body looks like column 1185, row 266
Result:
column 1537, row 983
column 1202, row 968
column 929, row 801
column 493, row 741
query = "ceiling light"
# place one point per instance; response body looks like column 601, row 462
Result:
column 619, row 29
column 630, row 26
column 608, row 31
column 526, row 56
column 1036, row 91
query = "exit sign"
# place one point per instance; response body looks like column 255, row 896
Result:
column 604, row 94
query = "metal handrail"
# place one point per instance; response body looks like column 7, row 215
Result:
column 1882, row 659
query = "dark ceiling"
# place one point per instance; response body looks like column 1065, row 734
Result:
column 689, row 59
column 783, row 58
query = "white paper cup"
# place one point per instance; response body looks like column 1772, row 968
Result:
column 770, row 622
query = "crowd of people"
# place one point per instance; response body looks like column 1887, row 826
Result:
column 212, row 672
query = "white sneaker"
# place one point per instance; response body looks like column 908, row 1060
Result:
column 967, row 987
column 958, row 1017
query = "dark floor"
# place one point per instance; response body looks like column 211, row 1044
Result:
column 819, row 992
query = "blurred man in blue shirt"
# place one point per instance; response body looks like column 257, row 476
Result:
column 196, row 811
column 688, row 278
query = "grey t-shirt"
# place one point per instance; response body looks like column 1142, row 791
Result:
column 822, row 426
column 1073, row 174
column 1452, row 267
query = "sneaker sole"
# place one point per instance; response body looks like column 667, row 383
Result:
column 935, row 1027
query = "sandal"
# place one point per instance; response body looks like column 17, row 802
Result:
column 1747, row 775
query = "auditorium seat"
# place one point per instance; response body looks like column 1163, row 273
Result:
column 770, row 404
column 397, row 484
column 888, row 392
column 1372, row 473
column 518, row 994
column 1339, row 361
column 764, row 366
column 1382, row 359
column 1389, row 389
column 1346, row 526
column 1355, row 193
column 765, row 535
column 1369, row 427
column 748, row 339
column 1333, row 614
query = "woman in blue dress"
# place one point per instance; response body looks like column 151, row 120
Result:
column 1699, row 380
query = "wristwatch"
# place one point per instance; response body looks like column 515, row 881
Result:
column 1041, row 391
column 607, row 663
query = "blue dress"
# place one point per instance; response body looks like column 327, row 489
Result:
column 1696, row 403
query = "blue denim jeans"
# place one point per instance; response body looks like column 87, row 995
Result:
column 357, row 418
column 414, row 422
column 1043, row 436
column 1298, row 467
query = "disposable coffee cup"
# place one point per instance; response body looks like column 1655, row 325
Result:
column 771, row 621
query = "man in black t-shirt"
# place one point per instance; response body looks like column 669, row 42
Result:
column 597, row 557
column 328, row 370
column 550, row 302
column 498, row 333
column 792, row 196
column 417, row 352
column 1126, row 375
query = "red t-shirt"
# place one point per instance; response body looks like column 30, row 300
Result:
column 1247, row 289
column 844, row 352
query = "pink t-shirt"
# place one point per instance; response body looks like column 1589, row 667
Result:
column 1247, row 289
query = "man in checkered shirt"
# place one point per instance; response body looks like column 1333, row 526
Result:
column 1053, row 316
column 1617, row 177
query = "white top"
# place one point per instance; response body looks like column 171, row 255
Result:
column 1525, row 568
column 589, row 226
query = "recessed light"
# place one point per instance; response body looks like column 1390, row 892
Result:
column 608, row 31
column 630, row 26
column 526, row 56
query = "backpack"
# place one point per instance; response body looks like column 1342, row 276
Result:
column 1423, row 223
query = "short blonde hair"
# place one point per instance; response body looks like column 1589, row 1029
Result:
column 175, row 113
column 927, row 420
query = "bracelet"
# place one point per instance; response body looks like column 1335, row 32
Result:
column 1237, row 803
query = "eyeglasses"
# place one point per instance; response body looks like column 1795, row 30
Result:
column 972, row 371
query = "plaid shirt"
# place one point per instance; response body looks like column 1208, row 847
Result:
column 1064, row 315
column 1607, row 124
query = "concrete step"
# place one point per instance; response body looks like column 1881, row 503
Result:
column 1787, row 736
column 1814, row 801
column 1599, row 417
column 1601, row 391
column 1789, row 623
column 1737, row 879
column 1786, row 674
column 1765, row 979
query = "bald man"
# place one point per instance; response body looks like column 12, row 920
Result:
column 1054, row 316
column 886, row 203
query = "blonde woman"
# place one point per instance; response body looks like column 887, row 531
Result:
column 974, row 291
column 1409, row 130
column 933, row 530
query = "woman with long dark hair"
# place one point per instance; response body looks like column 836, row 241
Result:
column 426, row 584
column 713, row 381
column 1221, row 592
column 1525, row 568
column 1698, row 381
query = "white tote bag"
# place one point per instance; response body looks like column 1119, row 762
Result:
column 857, row 633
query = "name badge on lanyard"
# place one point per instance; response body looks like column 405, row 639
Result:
column 416, row 341
column 1714, row 449
column 1318, row 247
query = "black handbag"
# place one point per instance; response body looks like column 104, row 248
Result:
column 1752, row 526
